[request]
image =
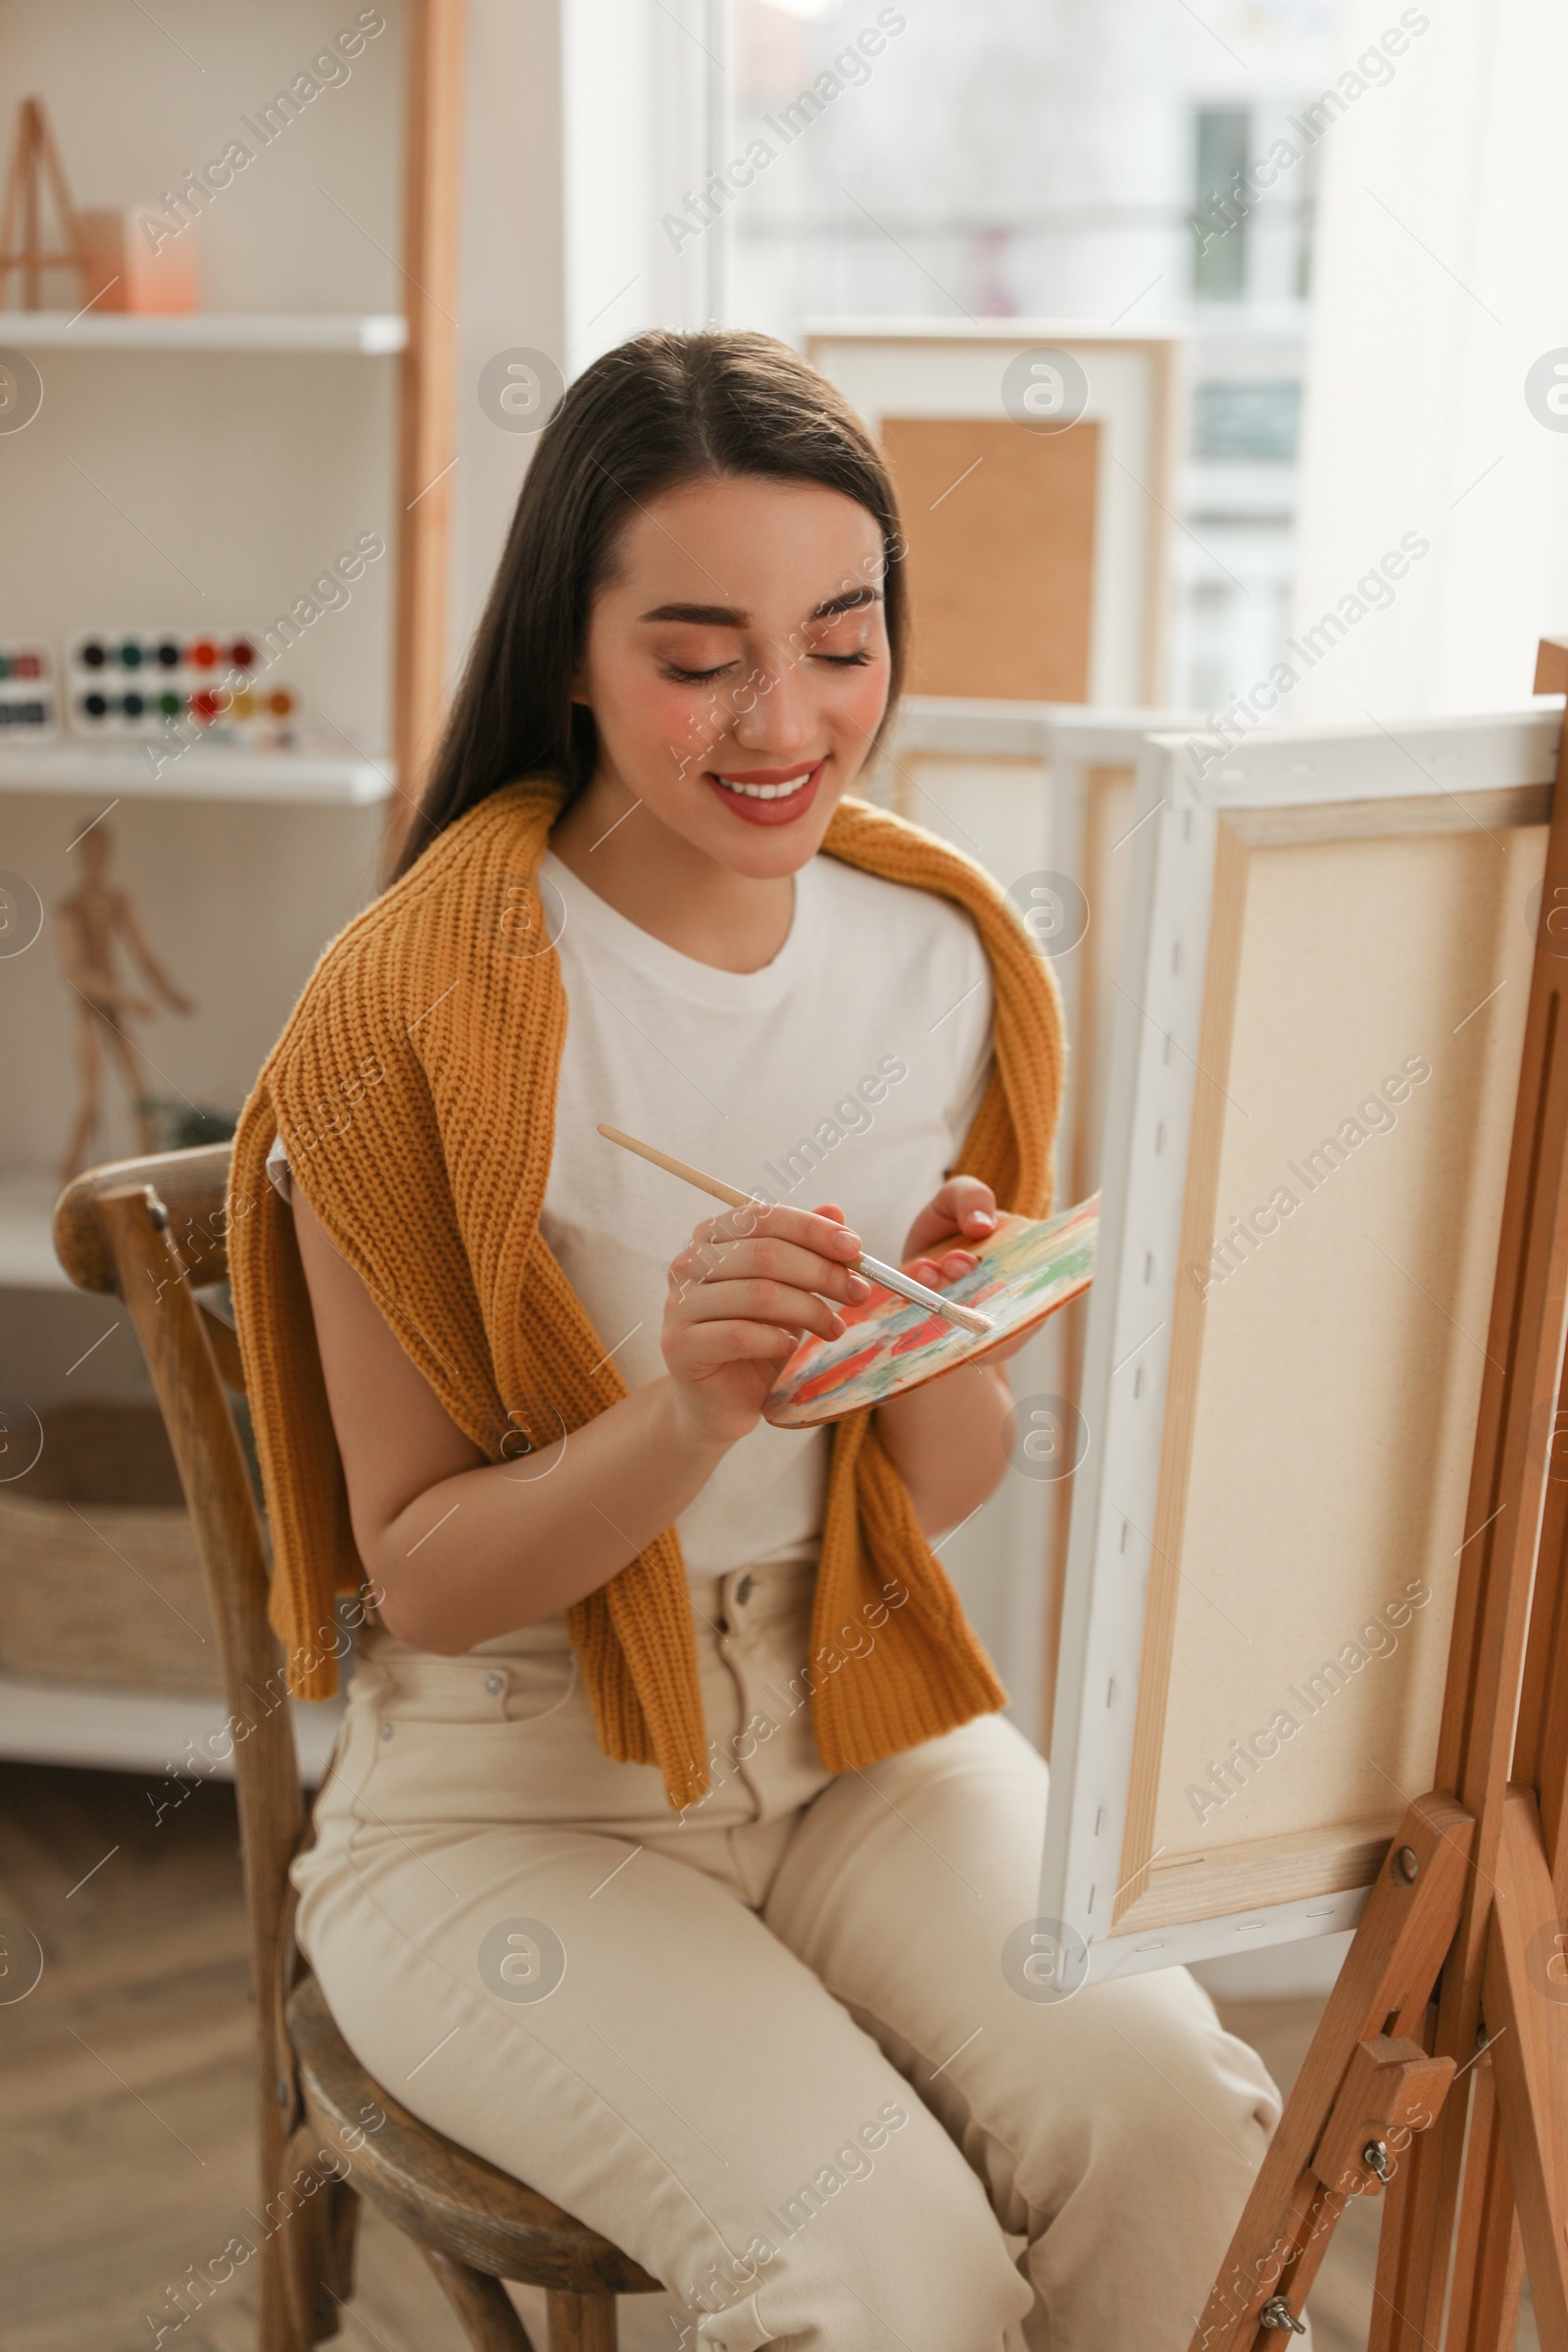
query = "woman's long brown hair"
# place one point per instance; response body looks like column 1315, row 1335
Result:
column 662, row 410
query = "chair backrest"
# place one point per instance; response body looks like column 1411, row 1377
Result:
column 153, row 1231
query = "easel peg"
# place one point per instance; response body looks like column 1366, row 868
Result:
column 1277, row 2313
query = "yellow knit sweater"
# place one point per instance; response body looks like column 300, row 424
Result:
column 414, row 1091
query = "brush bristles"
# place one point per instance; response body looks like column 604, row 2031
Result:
column 971, row 1318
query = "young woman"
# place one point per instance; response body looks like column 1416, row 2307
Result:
column 675, row 1855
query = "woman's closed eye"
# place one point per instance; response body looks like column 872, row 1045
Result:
column 843, row 640
column 704, row 677
column 695, row 677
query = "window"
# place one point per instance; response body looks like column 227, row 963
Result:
column 1032, row 160
column 1247, row 420
column 1222, row 209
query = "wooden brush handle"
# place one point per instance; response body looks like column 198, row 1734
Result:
column 682, row 1168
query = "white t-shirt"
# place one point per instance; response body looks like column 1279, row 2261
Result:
column 847, row 1069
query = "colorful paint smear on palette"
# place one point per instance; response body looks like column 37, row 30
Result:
column 1027, row 1270
column 134, row 686
column 29, row 711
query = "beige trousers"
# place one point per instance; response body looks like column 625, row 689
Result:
column 773, row 2048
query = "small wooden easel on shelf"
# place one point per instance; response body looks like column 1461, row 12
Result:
column 1438, row 2072
column 35, row 160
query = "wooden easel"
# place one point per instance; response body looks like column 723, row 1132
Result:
column 1440, row 2067
column 36, row 159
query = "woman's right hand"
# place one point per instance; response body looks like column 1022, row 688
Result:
column 741, row 1293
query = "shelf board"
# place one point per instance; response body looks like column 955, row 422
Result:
column 374, row 333
column 141, row 1731
column 124, row 770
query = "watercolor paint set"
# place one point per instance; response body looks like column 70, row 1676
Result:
column 141, row 686
column 30, row 712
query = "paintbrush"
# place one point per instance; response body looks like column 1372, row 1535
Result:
column 967, row 1319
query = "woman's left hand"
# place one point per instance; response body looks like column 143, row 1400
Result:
column 964, row 1207
column 950, row 1439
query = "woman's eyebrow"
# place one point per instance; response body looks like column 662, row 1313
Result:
column 849, row 602
column 707, row 616
column 730, row 616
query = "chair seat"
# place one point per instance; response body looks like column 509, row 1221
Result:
column 438, row 2192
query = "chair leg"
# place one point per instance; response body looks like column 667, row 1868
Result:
column 340, row 2236
column 277, row 2325
column 315, row 2242
column 583, row 2324
column 485, row 2312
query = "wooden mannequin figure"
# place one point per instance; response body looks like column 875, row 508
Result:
column 92, row 920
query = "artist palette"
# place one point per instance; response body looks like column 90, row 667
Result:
column 1028, row 1268
column 134, row 686
column 29, row 711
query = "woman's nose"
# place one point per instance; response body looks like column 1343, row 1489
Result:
column 774, row 714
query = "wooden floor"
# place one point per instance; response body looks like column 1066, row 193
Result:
column 126, row 2096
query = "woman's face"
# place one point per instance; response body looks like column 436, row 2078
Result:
column 737, row 665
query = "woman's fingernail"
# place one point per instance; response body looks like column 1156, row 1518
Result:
column 981, row 1216
column 860, row 1288
column 838, row 1324
column 845, row 1243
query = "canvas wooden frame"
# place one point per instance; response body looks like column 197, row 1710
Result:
column 1039, row 787
column 934, row 368
column 1211, row 829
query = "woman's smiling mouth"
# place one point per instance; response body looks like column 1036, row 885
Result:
column 768, row 795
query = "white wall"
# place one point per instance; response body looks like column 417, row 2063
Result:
column 587, row 122
column 1442, row 260
column 637, row 134
column 513, row 287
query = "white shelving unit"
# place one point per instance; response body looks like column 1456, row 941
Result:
column 142, row 1730
column 208, row 471
column 28, row 1261
column 377, row 335
column 128, row 770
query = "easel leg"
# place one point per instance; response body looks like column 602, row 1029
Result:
column 1503, row 1684
column 1413, row 2248
column 1384, row 1987
column 1386, row 2288
column 1526, row 2024
column 1489, row 2266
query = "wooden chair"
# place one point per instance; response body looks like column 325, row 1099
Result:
column 152, row 1231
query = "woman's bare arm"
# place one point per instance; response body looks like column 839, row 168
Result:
column 463, row 1549
column 949, row 1440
